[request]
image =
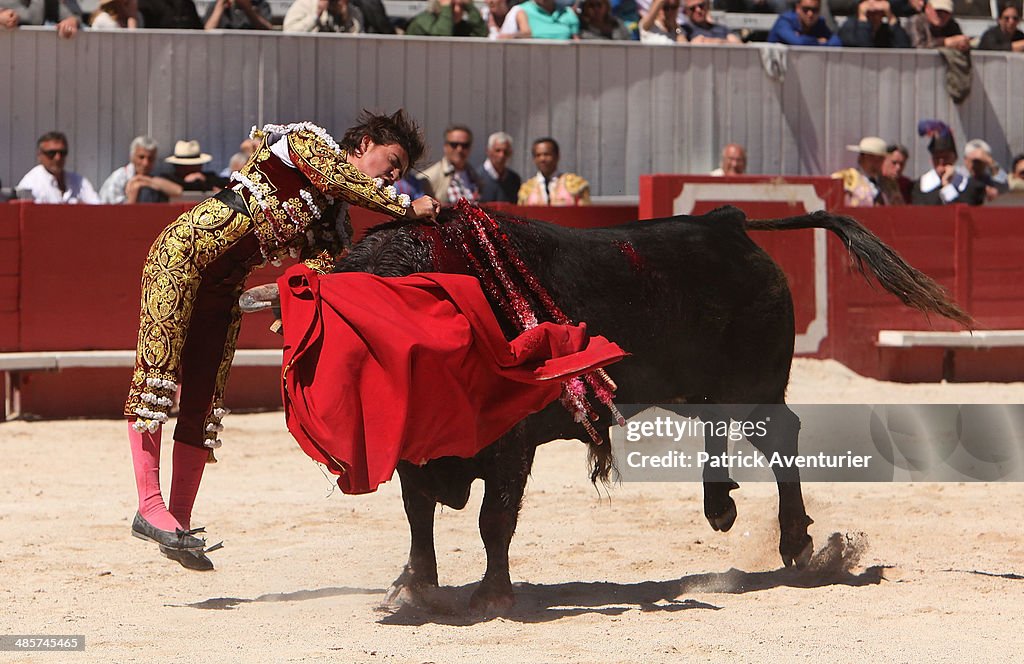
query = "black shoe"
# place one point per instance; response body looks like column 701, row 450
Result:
column 196, row 560
column 180, row 540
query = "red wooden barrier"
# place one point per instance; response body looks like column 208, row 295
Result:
column 69, row 280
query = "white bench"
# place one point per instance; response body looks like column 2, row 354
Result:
column 978, row 339
column 11, row 364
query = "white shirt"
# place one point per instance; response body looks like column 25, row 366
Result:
column 112, row 189
column 45, row 190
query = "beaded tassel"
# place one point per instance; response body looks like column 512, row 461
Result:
column 481, row 241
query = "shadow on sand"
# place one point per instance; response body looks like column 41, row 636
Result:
column 537, row 603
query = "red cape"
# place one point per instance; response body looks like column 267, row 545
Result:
column 378, row 370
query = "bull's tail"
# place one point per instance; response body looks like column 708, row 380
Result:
column 913, row 287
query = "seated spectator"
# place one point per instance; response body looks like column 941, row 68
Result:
column 803, row 26
column 496, row 11
column 543, row 19
column 41, row 12
column 323, row 16
column 733, row 161
column 115, row 15
column 135, row 182
column 946, row 182
column 549, row 186
column 893, row 167
column 498, row 182
column 508, row 28
column 375, row 17
column 874, row 26
column 864, row 186
column 984, row 169
column 699, row 27
column 660, row 24
column 1016, row 179
column 453, row 178
column 49, row 181
column 935, row 28
column 238, row 15
column 1005, row 35
column 188, row 160
column 448, row 18
column 169, row 14
column 597, row 22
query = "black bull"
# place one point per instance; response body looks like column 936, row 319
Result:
column 707, row 317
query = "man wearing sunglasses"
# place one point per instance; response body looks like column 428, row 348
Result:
column 453, row 178
column 803, row 26
column 701, row 29
column 49, row 182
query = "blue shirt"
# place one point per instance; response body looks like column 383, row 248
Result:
column 787, row 30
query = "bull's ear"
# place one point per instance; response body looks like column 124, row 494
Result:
column 260, row 298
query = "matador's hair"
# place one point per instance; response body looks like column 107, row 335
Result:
column 386, row 129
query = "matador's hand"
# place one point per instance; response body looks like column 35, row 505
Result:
column 425, row 207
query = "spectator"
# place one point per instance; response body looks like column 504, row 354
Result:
column 946, row 182
column 864, row 185
column 49, row 182
column 1016, row 179
column 323, row 16
column 135, row 182
column 448, row 18
column 1005, row 35
column 893, row 167
column 375, row 17
column 238, row 15
column 452, row 178
column 598, row 22
column 116, row 15
column 935, row 28
column 543, row 19
column 874, row 26
column 170, row 14
column 549, row 186
column 188, row 160
column 803, row 26
column 660, row 24
column 700, row 29
column 984, row 169
column 498, row 182
column 733, row 161
column 236, row 162
column 40, row 12
column 497, row 10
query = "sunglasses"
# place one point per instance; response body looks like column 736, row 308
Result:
column 700, row 5
column 809, row 10
column 50, row 154
column 455, row 145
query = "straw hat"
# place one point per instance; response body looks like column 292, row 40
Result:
column 187, row 153
column 869, row 145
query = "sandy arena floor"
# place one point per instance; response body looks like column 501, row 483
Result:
column 917, row 572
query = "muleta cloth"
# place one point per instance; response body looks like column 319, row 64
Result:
column 378, row 370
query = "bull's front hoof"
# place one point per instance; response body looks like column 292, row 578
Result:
column 410, row 589
column 490, row 600
column 719, row 507
column 798, row 552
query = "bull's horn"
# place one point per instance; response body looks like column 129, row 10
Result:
column 259, row 298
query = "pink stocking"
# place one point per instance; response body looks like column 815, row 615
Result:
column 189, row 462
column 146, row 459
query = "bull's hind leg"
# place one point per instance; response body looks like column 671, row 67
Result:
column 504, row 486
column 782, row 433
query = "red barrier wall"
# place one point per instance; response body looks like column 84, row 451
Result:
column 69, row 280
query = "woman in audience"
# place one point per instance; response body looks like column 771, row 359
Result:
column 116, row 15
column 597, row 22
column 660, row 25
